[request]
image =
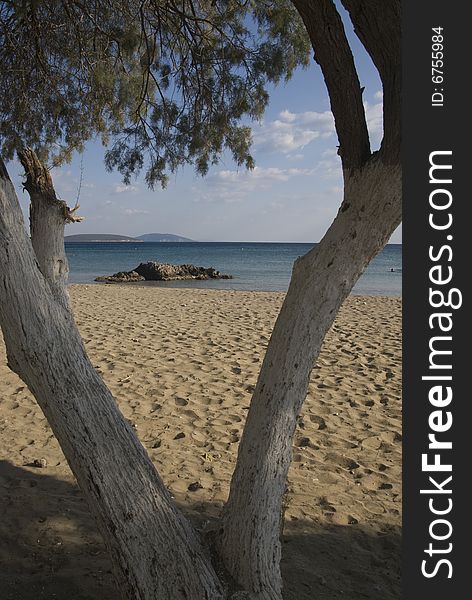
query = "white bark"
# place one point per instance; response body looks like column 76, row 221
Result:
column 250, row 536
column 155, row 552
column 48, row 216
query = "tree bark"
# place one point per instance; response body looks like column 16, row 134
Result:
column 48, row 217
column 378, row 26
column 249, row 540
column 334, row 55
column 156, row 553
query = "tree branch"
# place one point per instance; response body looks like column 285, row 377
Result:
column 333, row 54
column 378, row 26
column 48, row 216
column 38, row 178
column 39, row 184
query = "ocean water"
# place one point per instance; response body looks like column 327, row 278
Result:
column 254, row 266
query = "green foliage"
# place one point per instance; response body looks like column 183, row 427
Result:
column 161, row 82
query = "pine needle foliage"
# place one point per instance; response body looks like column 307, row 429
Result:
column 162, row 83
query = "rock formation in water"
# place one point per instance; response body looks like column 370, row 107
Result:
column 155, row 271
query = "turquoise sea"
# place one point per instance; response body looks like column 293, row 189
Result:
column 254, row 266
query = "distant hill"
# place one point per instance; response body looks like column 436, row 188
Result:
column 108, row 237
column 99, row 237
column 163, row 237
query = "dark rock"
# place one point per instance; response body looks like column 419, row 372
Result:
column 121, row 277
column 155, row 271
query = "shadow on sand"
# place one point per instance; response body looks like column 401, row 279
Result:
column 50, row 549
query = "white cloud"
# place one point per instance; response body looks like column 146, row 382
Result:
column 329, row 167
column 261, row 174
column 233, row 186
column 293, row 131
column 374, row 117
column 64, row 181
column 135, row 211
column 295, row 157
column 122, row 189
column 61, row 173
column 330, row 152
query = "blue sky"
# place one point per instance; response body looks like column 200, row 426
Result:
column 292, row 195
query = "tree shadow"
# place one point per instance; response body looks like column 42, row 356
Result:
column 340, row 562
column 50, row 548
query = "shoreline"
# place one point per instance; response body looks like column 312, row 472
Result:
column 200, row 285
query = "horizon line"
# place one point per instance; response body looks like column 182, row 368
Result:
column 192, row 241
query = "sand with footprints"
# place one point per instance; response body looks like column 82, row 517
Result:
column 182, row 364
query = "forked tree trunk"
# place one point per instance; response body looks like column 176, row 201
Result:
column 156, row 553
column 250, row 536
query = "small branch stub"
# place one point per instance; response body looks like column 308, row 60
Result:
column 70, row 216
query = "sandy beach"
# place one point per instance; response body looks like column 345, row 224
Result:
column 182, row 364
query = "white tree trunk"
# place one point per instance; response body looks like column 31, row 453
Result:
column 48, row 216
column 249, row 540
column 156, row 553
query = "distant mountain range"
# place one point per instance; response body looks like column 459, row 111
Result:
column 108, row 237
column 163, row 237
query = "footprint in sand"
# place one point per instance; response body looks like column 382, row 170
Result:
column 374, row 508
column 181, row 401
column 372, row 443
column 340, row 518
column 234, row 418
column 221, row 422
column 203, row 401
column 342, row 461
column 191, row 414
column 318, row 421
column 199, row 438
